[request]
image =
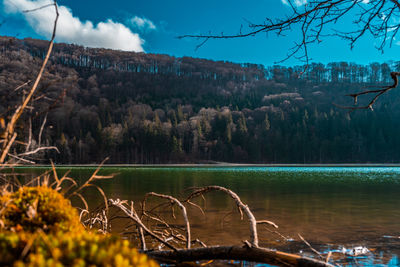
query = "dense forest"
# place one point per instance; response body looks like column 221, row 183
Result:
column 149, row 108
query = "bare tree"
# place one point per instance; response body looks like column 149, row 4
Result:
column 9, row 136
column 319, row 19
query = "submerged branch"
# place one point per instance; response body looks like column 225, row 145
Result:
column 251, row 254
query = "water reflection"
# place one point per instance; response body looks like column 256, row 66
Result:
column 329, row 206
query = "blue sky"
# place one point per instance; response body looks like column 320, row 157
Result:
column 153, row 25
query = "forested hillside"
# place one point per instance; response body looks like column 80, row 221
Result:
column 148, row 108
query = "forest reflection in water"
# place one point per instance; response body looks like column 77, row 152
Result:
column 331, row 207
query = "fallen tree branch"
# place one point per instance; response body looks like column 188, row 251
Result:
column 251, row 254
column 239, row 203
column 181, row 206
column 131, row 213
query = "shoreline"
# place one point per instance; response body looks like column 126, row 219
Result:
column 205, row 165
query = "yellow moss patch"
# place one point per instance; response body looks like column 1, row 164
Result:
column 41, row 228
column 68, row 249
column 31, row 208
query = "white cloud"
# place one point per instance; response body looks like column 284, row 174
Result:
column 295, row 2
column 142, row 23
column 70, row 29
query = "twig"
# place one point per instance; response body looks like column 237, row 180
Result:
column 21, row 159
column 7, row 147
column 328, row 256
column 92, row 178
column 9, row 132
column 22, row 85
column 378, row 18
column 142, row 239
column 308, row 244
column 181, row 206
column 41, row 129
column 378, row 93
column 35, row 9
column 239, row 203
column 131, row 213
column 29, row 136
column 39, row 149
column 268, row 223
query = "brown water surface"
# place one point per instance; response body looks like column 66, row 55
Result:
column 331, row 207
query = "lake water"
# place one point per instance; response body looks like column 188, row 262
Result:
column 331, row 207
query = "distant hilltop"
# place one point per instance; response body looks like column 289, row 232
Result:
column 79, row 56
column 139, row 108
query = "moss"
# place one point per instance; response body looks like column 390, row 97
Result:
column 68, row 249
column 41, row 228
column 32, row 208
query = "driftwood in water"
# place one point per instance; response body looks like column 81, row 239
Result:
column 251, row 254
column 174, row 244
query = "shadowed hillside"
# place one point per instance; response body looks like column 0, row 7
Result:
column 148, row 108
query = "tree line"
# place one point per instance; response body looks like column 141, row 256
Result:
column 148, row 108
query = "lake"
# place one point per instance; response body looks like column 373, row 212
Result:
column 331, row 207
